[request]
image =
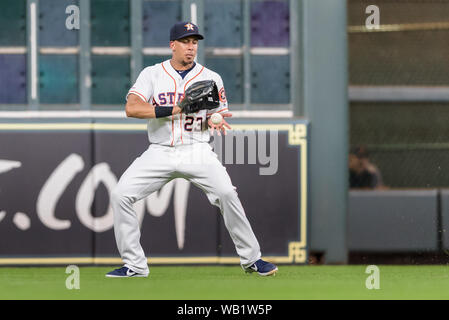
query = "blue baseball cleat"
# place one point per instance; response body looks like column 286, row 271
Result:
column 125, row 272
column 263, row 268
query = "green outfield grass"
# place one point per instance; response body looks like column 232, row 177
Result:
column 229, row 283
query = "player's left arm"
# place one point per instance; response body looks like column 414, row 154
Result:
column 221, row 109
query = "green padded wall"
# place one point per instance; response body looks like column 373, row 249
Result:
column 110, row 79
column 231, row 71
column 156, row 26
column 52, row 24
column 223, row 23
column 12, row 22
column 58, row 79
column 13, row 79
column 110, row 24
column 270, row 25
column 270, row 77
column 151, row 60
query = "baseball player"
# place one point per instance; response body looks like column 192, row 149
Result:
column 178, row 96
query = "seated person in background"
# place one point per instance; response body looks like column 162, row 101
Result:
column 362, row 173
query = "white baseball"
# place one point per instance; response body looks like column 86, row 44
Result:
column 216, row 118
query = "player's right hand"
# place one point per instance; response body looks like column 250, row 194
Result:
column 221, row 126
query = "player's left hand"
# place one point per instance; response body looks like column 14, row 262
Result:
column 221, row 126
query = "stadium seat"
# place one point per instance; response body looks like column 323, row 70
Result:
column 110, row 24
column 59, row 79
column 13, row 78
column 13, row 23
column 110, row 79
column 270, row 24
column 270, row 77
column 223, row 25
column 52, row 22
column 156, row 26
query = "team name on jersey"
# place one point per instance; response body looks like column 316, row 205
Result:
column 168, row 98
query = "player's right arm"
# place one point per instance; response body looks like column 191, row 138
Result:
column 137, row 105
column 137, row 108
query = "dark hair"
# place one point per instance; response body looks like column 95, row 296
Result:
column 360, row 151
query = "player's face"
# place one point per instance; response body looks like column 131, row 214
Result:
column 184, row 50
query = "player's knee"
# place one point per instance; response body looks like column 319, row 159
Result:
column 227, row 194
column 115, row 195
column 118, row 196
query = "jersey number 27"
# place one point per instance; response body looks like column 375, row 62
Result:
column 190, row 122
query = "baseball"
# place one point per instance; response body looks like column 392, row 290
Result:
column 216, row 118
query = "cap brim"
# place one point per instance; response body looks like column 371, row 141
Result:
column 199, row 36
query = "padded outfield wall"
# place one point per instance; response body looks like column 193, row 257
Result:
column 302, row 51
column 56, row 177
